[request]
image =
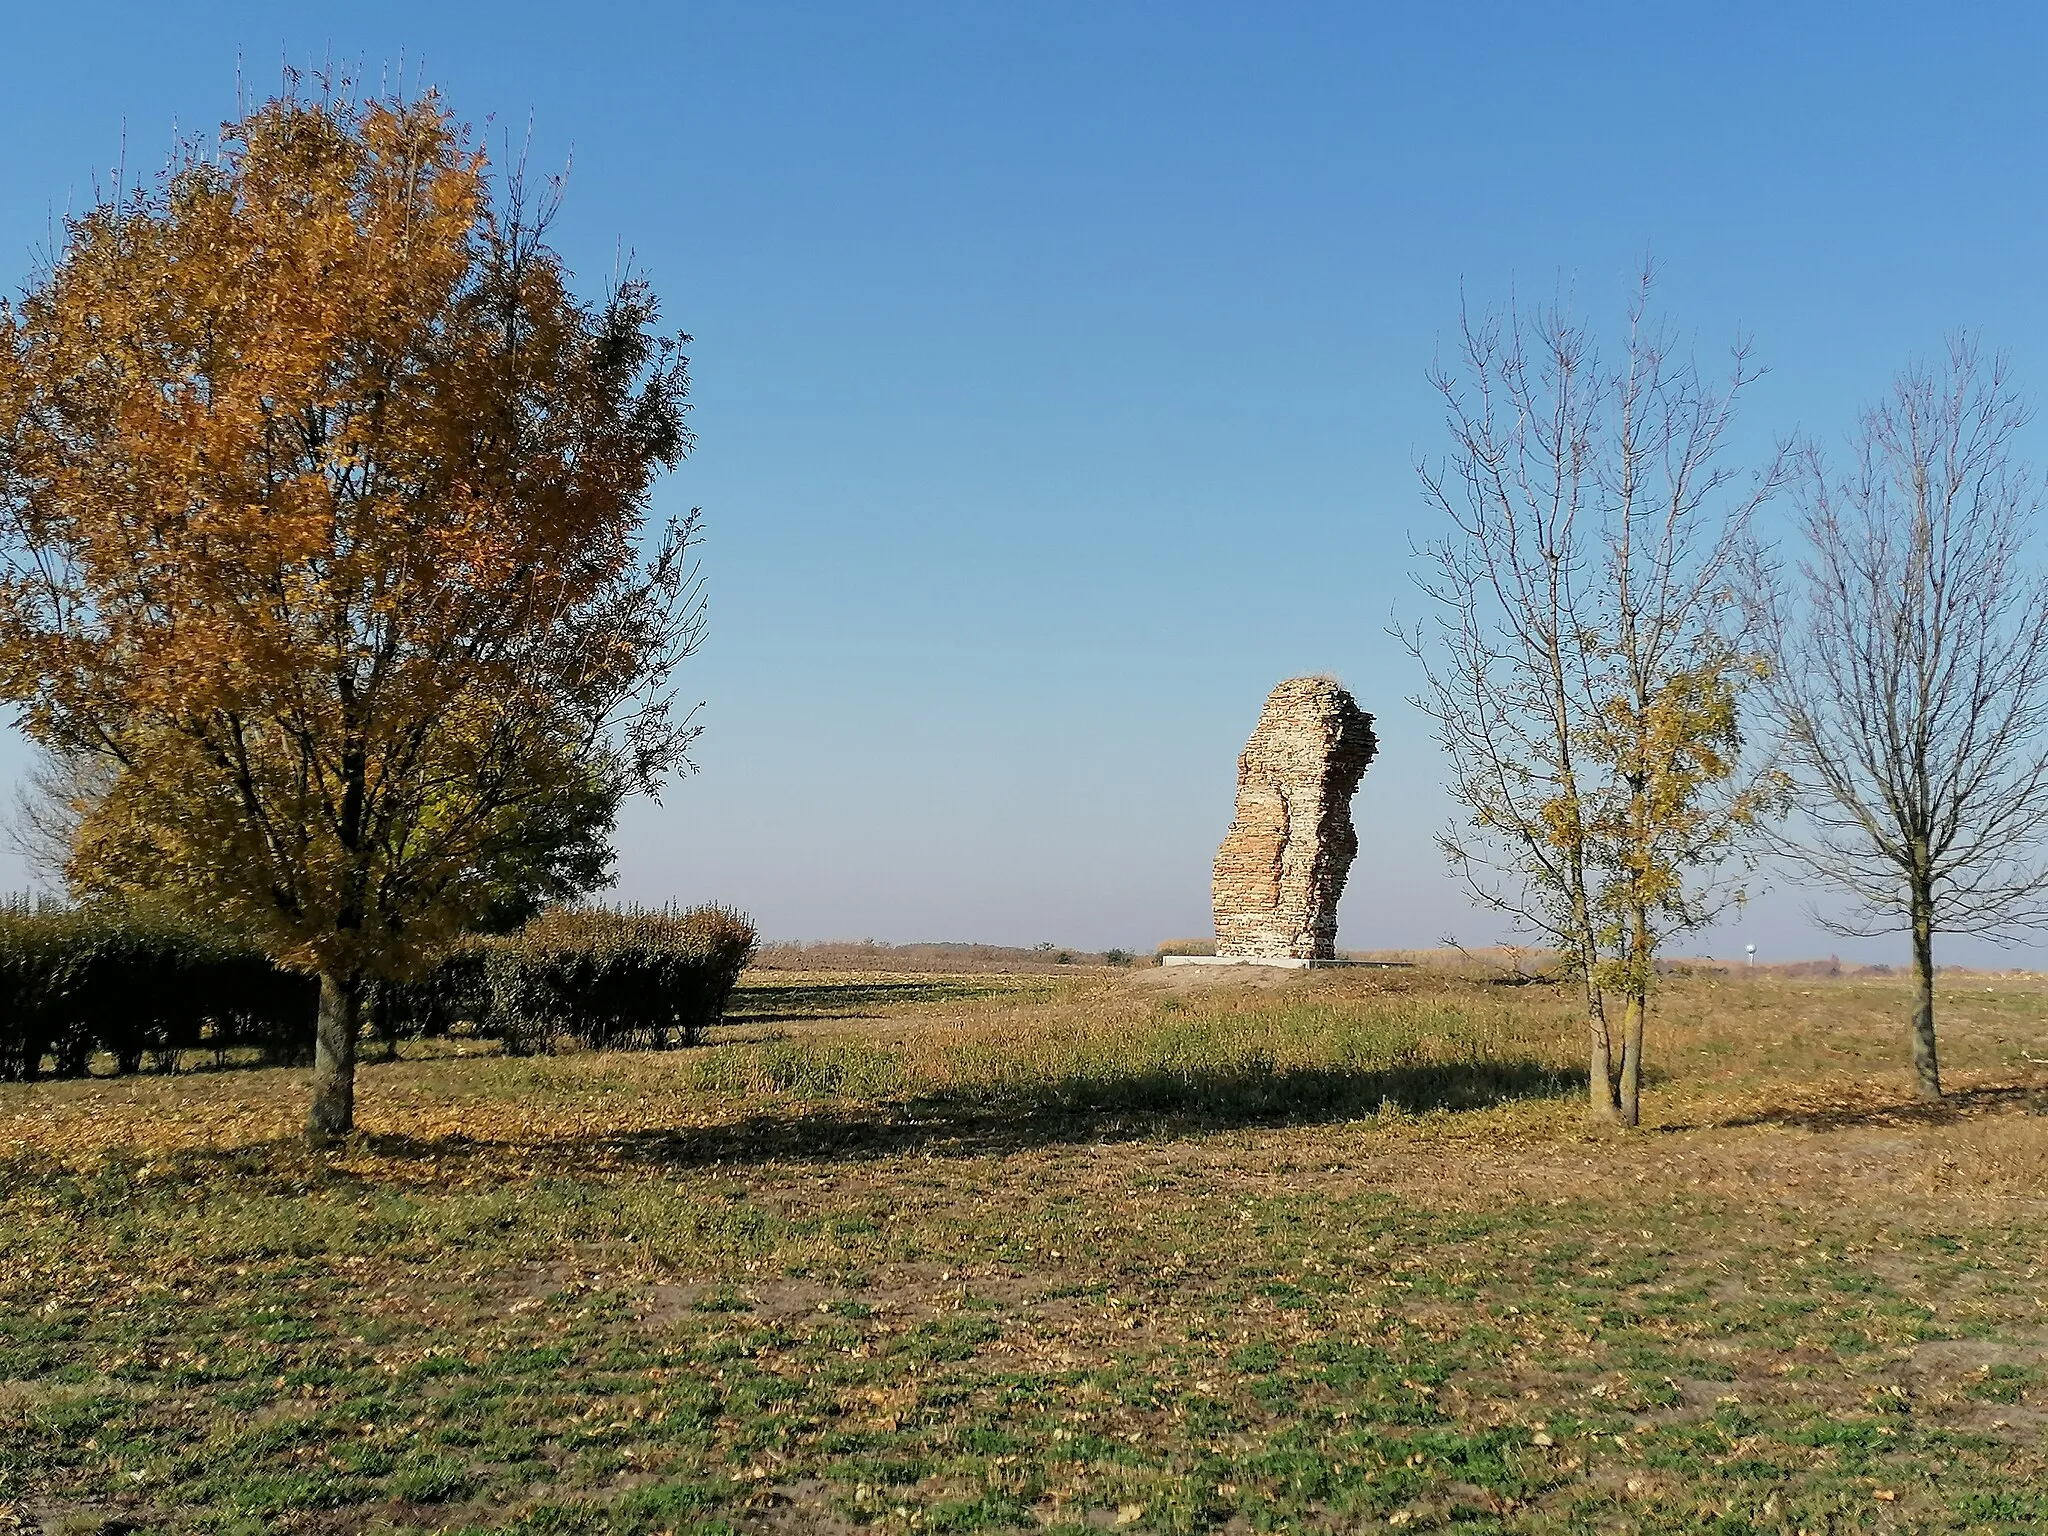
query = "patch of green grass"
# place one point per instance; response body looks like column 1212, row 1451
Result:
column 2004, row 1383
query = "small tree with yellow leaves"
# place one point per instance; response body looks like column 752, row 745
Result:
column 1674, row 799
column 1584, row 664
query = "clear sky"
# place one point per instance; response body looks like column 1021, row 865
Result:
column 1060, row 367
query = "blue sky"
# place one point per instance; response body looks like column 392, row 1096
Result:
column 1060, row 367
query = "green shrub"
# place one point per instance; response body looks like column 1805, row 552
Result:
column 631, row 980
column 455, row 991
column 615, row 980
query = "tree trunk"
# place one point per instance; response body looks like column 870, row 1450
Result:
column 333, row 1114
column 1600, row 1070
column 382, row 1008
column 1926, row 1063
column 1632, row 1062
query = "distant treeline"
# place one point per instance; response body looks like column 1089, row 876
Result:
column 144, row 987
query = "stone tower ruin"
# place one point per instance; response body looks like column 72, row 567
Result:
column 1282, row 866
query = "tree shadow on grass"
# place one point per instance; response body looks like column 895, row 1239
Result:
column 1074, row 1111
column 1956, row 1104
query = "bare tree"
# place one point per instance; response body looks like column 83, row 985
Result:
column 1909, row 675
column 1503, row 667
column 51, row 803
column 1583, row 661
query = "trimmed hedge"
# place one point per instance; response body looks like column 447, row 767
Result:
column 615, row 980
column 632, row 980
column 136, row 984
column 76, row 982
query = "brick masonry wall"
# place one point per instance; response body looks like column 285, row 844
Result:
column 1282, row 867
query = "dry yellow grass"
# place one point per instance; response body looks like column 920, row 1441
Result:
column 1734, row 1058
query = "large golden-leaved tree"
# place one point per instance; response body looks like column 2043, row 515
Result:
column 323, row 499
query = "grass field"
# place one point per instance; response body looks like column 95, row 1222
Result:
column 1158, row 1251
